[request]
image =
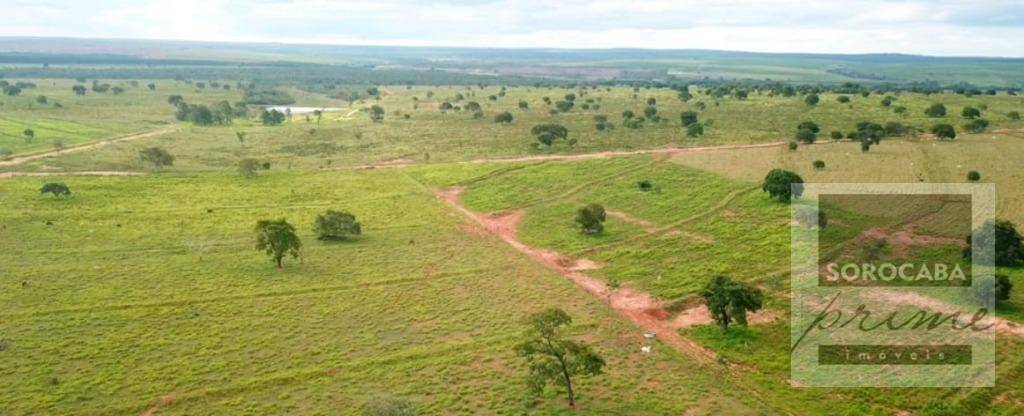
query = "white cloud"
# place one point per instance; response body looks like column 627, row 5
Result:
column 956, row 27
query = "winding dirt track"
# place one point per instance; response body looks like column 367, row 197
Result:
column 22, row 159
column 641, row 308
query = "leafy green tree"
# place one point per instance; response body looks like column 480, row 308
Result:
column 564, row 106
column 900, row 110
column 546, row 134
column 729, row 301
column 837, row 135
column 79, row 89
column 277, row 238
column 591, row 218
column 156, row 156
column 944, row 131
column 29, row 135
column 977, row 125
column 1003, row 286
column 376, row 113
column 688, row 117
column 842, row 99
column 805, row 136
column 887, row 101
column 503, row 117
column 809, row 125
column 936, row 110
column 57, row 189
column 651, row 112
column 782, row 185
column 819, row 164
column 1008, row 243
column 811, row 99
column 695, row 130
column 336, row 225
column 868, row 131
column 272, row 117
column 970, row 112
column 973, row 176
column 523, row 105
column 553, row 358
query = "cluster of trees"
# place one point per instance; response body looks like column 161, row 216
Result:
column 16, row 88
column 257, row 96
column 547, row 134
column 201, row 115
column 278, row 239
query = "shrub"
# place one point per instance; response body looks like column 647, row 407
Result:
column 819, row 164
column 503, row 118
column 1013, row 115
column 57, row 189
column 837, row 135
column 694, row 130
column 970, row 112
column 793, row 145
column 977, row 125
column 336, row 225
column 591, row 218
column 936, row 110
column 389, row 406
column 811, row 99
column 782, row 185
column 944, row 131
column 973, row 176
column 157, row 156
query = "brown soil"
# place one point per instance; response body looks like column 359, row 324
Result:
column 640, row 307
column 21, row 159
column 901, row 239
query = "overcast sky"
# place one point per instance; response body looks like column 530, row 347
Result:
column 978, row 27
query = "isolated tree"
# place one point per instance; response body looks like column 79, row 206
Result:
column 79, row 89
column 564, row 106
column 1007, row 241
column 554, row 359
column 29, row 135
column 809, row 125
column 175, row 100
column 805, row 136
column 336, row 225
column 249, row 167
column 868, row 131
column 970, row 112
column 782, row 185
column 157, row 156
column 811, row 99
column 900, row 110
column 1003, row 286
column 819, row 164
column 936, row 110
column 42, row 99
column 503, row 117
column 793, row 145
column 277, row 238
column 651, row 112
column 1013, row 115
column 628, row 114
column 837, row 135
column 377, row 113
column 58, row 190
column 151, row 86
column 977, row 125
column 688, row 117
column 591, row 218
column 887, row 101
column 973, row 176
column 944, row 131
column 842, row 99
column 729, row 301
column 523, row 105
column 695, row 130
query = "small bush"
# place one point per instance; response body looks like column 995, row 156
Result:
column 336, row 225
column 973, row 176
column 819, row 164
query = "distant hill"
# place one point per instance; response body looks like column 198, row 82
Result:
column 585, row 64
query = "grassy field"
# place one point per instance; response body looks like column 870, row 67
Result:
column 429, row 135
column 146, row 291
column 168, row 299
column 72, row 119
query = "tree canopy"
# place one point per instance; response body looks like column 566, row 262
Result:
column 277, row 238
column 782, row 185
column 554, row 359
column 729, row 301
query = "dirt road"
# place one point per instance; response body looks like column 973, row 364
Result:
column 22, row 159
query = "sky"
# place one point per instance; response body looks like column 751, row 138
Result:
column 946, row 28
